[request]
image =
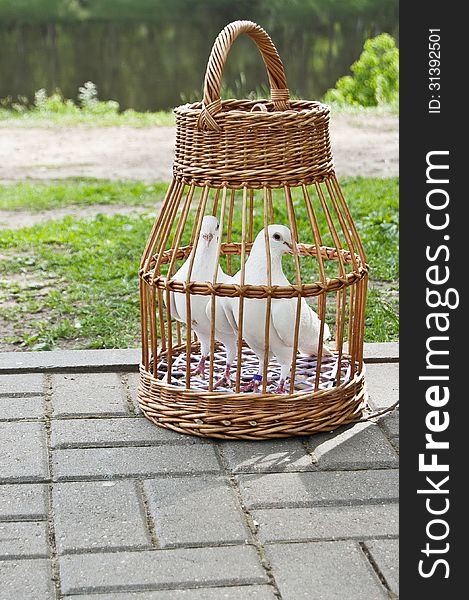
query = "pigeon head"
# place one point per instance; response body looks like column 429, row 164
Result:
column 280, row 239
column 209, row 230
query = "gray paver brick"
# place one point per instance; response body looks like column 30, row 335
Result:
column 386, row 555
column 27, row 383
column 105, row 463
column 59, row 361
column 160, row 569
column 195, row 510
column 383, row 384
column 20, row 407
column 390, row 424
column 81, row 394
column 23, row 501
column 324, row 570
column 23, row 453
column 361, row 446
column 132, row 382
column 327, row 522
column 95, row 515
column 23, row 539
column 381, row 351
column 244, row 592
column 75, row 433
column 28, row 579
column 274, row 456
column 280, row 490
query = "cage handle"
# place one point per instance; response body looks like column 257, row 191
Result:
column 278, row 84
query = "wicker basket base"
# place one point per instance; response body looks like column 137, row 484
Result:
column 227, row 415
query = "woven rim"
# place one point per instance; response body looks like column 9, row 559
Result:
column 256, row 291
column 250, row 416
column 248, row 114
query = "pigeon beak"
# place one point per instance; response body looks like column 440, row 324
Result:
column 290, row 248
column 208, row 237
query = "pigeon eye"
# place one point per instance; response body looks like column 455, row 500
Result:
column 276, row 236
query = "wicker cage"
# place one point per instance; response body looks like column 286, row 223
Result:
column 254, row 165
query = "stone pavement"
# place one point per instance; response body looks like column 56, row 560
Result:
column 97, row 503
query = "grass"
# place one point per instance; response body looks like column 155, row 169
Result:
column 37, row 197
column 47, row 110
column 132, row 118
column 129, row 118
column 73, row 282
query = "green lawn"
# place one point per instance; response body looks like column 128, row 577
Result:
column 37, row 197
column 73, row 282
column 130, row 118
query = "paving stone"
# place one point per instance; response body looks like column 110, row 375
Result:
column 126, row 359
column 381, row 352
column 106, row 463
column 76, row 433
column 23, row 453
column 26, row 580
column 283, row 490
column 276, row 456
column 195, row 510
column 325, row 570
column 87, row 394
column 17, row 407
column 390, row 424
column 383, row 384
column 244, row 592
column 23, row 501
column 196, row 567
column 385, row 553
column 327, row 522
column 23, row 539
column 132, row 383
column 360, row 446
column 24, row 383
column 99, row 515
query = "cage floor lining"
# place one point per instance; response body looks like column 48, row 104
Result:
column 305, row 377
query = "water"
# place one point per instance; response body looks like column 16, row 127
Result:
column 152, row 63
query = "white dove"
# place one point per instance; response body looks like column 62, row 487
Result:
column 283, row 310
column 203, row 268
column 226, row 329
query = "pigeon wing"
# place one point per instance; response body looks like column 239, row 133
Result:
column 224, row 319
column 172, row 307
column 180, row 275
column 282, row 315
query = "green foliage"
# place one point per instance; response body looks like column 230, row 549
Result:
column 220, row 10
column 55, row 109
column 74, row 282
column 375, row 79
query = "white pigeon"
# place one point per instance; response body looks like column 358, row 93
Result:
column 226, row 329
column 203, row 268
column 283, row 310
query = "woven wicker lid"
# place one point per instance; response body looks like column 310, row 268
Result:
column 252, row 143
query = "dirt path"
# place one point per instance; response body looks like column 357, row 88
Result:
column 362, row 146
